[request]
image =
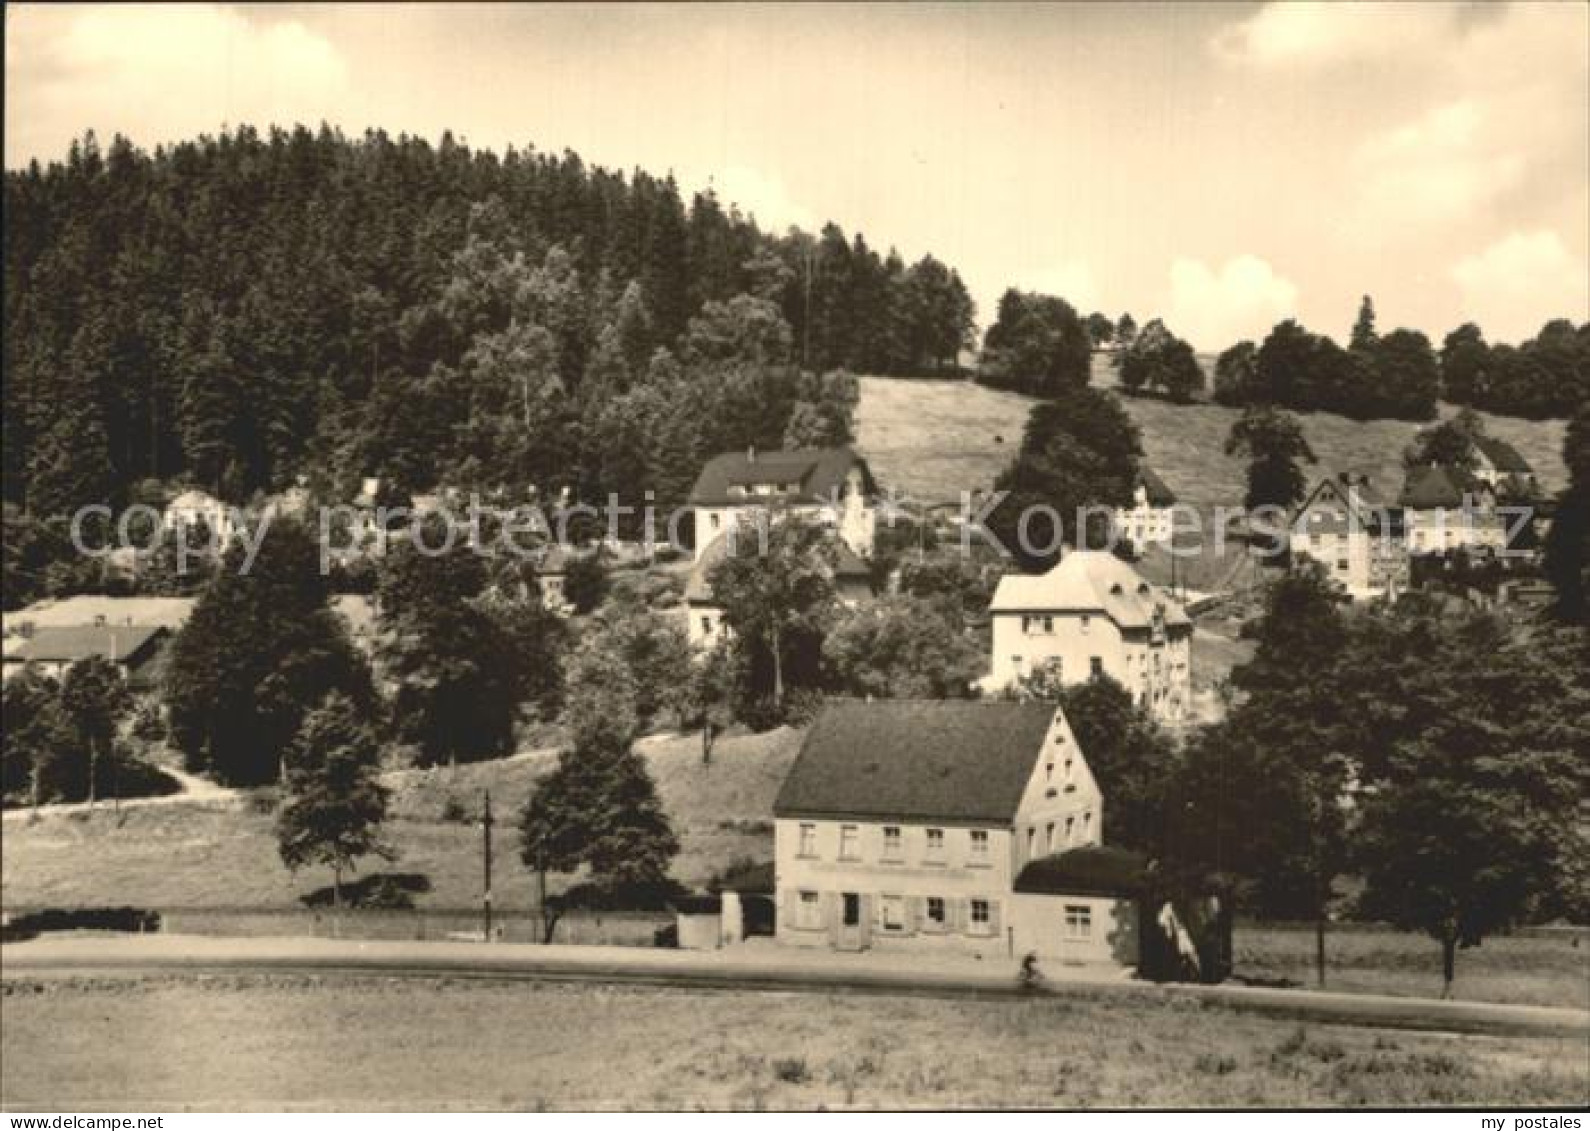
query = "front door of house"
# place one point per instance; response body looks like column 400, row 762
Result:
column 852, row 932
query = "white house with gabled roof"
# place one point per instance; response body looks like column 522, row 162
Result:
column 1093, row 614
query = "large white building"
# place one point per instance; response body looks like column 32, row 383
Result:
column 1446, row 509
column 916, row 826
column 1092, row 614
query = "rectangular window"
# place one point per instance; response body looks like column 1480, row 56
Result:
column 1087, row 825
column 892, row 843
column 1048, row 625
column 808, row 843
column 935, row 910
column 893, row 912
column 1032, row 843
column 979, row 916
column 935, row 846
column 809, row 911
column 1049, row 837
column 1096, row 666
column 849, row 842
column 979, row 846
column 1079, row 922
column 1087, row 621
column 1071, row 824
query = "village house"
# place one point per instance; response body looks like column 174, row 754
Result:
column 1447, row 509
column 1150, row 520
column 907, row 825
column 1499, row 464
column 53, row 651
column 832, row 485
column 1093, row 615
column 1358, row 540
column 738, row 489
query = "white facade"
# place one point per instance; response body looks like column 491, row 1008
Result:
column 1090, row 615
column 941, row 886
column 1144, row 524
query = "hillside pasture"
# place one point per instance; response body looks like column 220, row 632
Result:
column 934, row 439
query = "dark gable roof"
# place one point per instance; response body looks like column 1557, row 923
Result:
column 1437, row 487
column 1159, row 495
column 1503, row 456
column 1096, row 870
column 816, row 474
column 68, row 645
column 917, row 760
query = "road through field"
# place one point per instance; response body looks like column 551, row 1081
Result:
column 753, row 966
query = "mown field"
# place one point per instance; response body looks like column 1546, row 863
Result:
column 186, row 856
column 309, row 1042
column 935, row 439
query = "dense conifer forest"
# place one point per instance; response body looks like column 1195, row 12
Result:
column 251, row 309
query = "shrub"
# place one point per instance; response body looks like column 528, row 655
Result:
column 791, row 1070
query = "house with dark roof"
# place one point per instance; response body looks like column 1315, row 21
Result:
column 1149, row 521
column 831, row 484
column 53, row 651
column 907, row 825
column 1354, row 535
column 738, row 490
column 1502, row 466
column 1093, row 613
column 1449, row 508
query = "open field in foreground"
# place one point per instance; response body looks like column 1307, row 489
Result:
column 316, row 1042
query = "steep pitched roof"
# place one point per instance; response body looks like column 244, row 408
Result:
column 1094, row 870
column 813, row 475
column 1159, row 495
column 1438, row 487
column 68, row 645
column 1503, row 456
column 938, row 760
column 1088, row 581
column 848, row 566
column 1359, row 496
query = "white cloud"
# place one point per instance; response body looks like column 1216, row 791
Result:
column 1445, row 165
column 1301, row 34
column 1516, row 284
column 1214, row 308
column 157, row 72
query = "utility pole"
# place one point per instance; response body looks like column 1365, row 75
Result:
column 485, row 828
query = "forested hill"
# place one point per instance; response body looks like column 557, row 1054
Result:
column 242, row 310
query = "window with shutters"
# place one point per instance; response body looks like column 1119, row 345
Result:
column 979, row 847
column 978, row 917
column 809, row 911
column 893, row 850
column 893, row 912
column 849, row 842
column 808, row 843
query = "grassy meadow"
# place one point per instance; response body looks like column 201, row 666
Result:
column 935, row 439
column 312, row 1042
column 211, row 855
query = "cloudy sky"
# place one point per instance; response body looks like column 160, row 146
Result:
column 1222, row 166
